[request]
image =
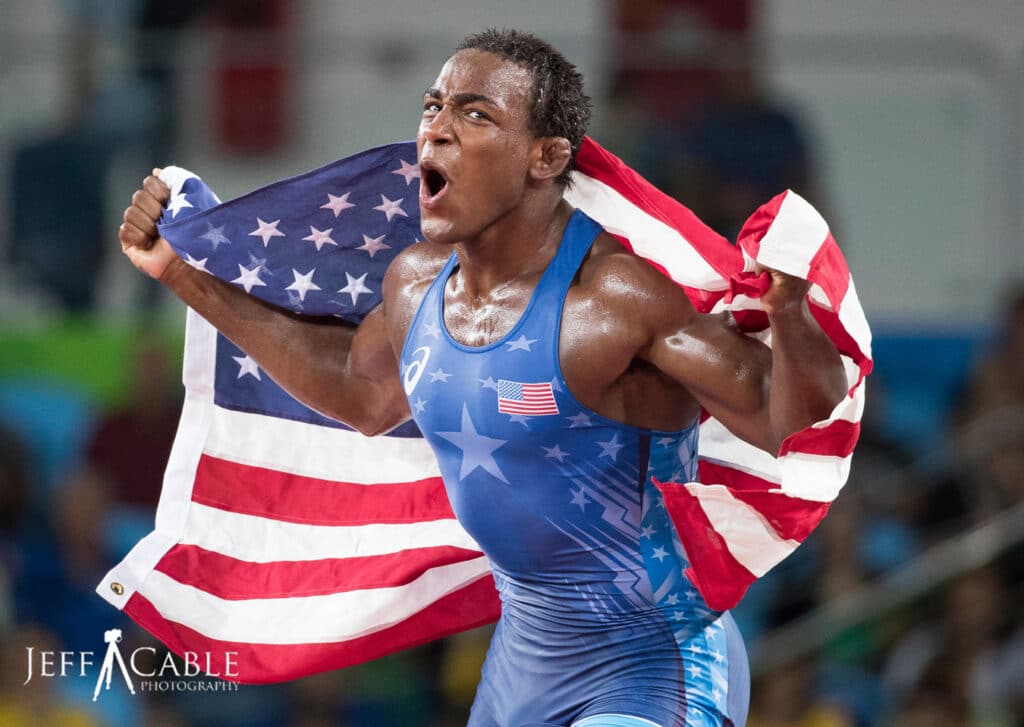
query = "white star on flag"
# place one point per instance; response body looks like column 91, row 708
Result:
column 337, row 205
column 521, row 344
column 419, row 405
column 303, row 283
column 355, row 287
column 476, row 448
column 249, row 279
column 216, row 236
column 391, row 207
column 247, row 366
column 320, row 237
column 373, row 245
column 434, row 331
column 408, row 171
column 266, row 230
column 197, row 264
column 177, row 203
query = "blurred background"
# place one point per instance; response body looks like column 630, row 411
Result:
column 901, row 120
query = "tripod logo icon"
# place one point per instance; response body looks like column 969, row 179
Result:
column 112, row 637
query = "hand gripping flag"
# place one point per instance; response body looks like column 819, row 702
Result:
column 304, row 546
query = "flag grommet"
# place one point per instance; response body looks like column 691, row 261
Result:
column 117, row 588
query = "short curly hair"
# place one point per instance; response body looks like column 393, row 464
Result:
column 560, row 107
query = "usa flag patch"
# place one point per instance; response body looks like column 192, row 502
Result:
column 516, row 397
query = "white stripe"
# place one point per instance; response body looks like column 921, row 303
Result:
column 718, row 444
column 316, row 451
column 307, row 619
column 750, row 540
column 851, row 317
column 815, row 477
column 794, row 237
column 650, row 238
column 262, row 540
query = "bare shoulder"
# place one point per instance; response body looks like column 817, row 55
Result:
column 407, row 279
column 621, row 282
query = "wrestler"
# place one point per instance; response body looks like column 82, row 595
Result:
column 555, row 374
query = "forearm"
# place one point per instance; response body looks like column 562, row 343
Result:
column 307, row 357
column 807, row 377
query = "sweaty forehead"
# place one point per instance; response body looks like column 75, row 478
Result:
column 479, row 72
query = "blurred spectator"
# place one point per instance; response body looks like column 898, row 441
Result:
column 990, row 419
column 742, row 149
column 786, row 698
column 966, row 654
column 131, row 444
column 118, row 100
column 61, row 567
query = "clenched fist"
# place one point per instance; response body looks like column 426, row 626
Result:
column 140, row 240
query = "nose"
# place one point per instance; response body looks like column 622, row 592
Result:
column 437, row 130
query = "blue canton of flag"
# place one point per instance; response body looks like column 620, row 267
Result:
column 515, row 397
column 318, row 243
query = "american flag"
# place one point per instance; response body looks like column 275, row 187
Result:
column 515, row 397
column 304, row 546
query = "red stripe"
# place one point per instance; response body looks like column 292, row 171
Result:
column 284, row 496
column 719, row 577
column 830, row 272
column 239, row 580
column 600, row 164
column 473, row 605
column 512, row 407
column 757, row 225
column 791, row 517
column 838, row 439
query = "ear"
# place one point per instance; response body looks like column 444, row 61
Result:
column 550, row 157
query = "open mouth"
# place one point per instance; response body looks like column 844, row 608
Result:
column 433, row 181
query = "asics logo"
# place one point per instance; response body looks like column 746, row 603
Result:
column 415, row 369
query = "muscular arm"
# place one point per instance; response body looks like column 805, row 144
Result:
column 762, row 395
column 346, row 372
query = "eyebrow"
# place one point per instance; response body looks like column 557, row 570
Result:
column 461, row 99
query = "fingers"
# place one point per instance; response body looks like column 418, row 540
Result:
column 142, row 220
column 130, row 235
column 139, row 229
column 156, row 187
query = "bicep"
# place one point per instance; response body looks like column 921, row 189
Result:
column 727, row 372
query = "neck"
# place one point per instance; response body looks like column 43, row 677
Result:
column 516, row 245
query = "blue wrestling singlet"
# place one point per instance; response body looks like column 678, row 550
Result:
column 597, row 615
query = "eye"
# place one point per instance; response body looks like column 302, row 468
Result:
column 431, row 107
column 478, row 115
